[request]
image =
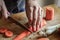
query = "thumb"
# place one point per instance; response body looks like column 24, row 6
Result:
column 6, row 14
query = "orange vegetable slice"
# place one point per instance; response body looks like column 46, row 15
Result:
column 43, row 39
column 8, row 34
column 3, row 30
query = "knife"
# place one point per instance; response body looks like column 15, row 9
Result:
column 18, row 23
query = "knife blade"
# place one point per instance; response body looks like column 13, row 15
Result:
column 18, row 23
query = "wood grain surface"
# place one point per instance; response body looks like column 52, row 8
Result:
column 21, row 17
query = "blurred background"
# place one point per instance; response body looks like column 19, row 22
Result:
column 48, row 2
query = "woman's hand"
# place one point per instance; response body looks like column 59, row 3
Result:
column 34, row 14
column 4, row 10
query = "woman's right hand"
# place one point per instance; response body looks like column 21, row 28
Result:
column 34, row 14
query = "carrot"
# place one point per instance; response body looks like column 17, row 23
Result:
column 3, row 30
column 43, row 39
column 8, row 34
column 22, row 35
column 49, row 13
column 43, row 22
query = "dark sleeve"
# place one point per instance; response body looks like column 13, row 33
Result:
column 11, row 4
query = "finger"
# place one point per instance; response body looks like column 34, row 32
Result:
column 4, row 13
column 27, row 12
column 38, row 21
column 30, row 14
column 41, row 17
column 8, row 13
column 35, row 11
column 30, row 27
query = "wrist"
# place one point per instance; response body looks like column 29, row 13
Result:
column 32, row 2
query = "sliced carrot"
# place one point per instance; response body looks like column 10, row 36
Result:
column 3, row 30
column 44, row 22
column 43, row 39
column 8, row 34
column 49, row 13
column 22, row 35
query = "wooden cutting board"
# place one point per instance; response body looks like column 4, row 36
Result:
column 21, row 17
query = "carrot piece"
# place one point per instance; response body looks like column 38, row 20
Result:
column 49, row 13
column 44, row 22
column 3, row 30
column 43, row 39
column 8, row 34
column 22, row 35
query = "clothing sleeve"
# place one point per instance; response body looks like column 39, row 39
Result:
column 21, row 5
column 15, row 6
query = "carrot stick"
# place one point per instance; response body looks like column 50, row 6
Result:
column 22, row 35
column 43, row 39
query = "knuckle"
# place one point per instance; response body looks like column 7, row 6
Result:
column 35, row 7
column 35, row 19
column 31, row 8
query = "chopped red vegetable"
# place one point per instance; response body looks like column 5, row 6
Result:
column 44, row 22
column 8, row 34
column 49, row 13
column 43, row 39
column 22, row 35
column 3, row 30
